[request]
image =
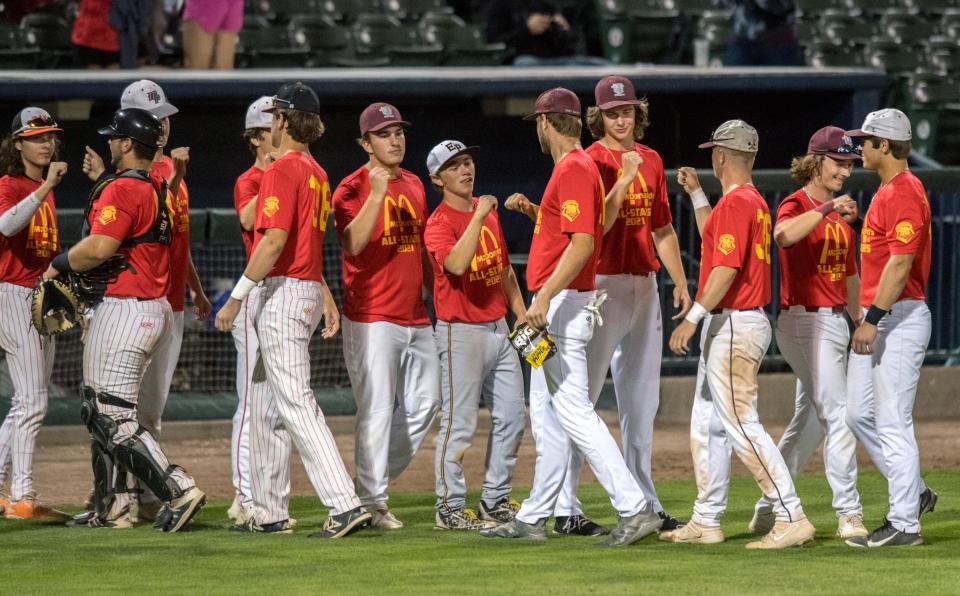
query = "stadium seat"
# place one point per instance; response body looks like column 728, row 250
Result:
column 263, row 45
column 950, row 23
column 815, row 7
column 841, row 27
column 652, row 34
column 412, row 10
column 874, row 6
column 380, row 35
column 695, row 7
column 463, row 44
column 928, row 88
column 328, row 41
column 943, row 54
column 933, row 7
column 50, row 34
column 905, row 26
column 823, row 54
column 893, row 57
column 347, row 11
column 283, row 10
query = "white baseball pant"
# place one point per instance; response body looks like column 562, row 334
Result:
column 814, row 344
column 734, row 348
column 389, row 363
column 290, row 311
column 563, row 417
column 477, row 358
column 630, row 346
column 881, row 390
column 155, row 389
column 248, row 350
column 30, row 360
column 124, row 333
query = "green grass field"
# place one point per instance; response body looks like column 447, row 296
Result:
column 37, row 558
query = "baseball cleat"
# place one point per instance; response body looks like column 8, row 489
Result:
column 250, row 525
column 577, row 525
column 518, row 529
column 670, row 523
column 30, row 507
column 694, row 533
column 144, row 511
column 89, row 519
column 762, row 521
column 344, row 524
column 886, row 535
column 634, row 528
column 851, row 526
column 460, row 519
column 384, row 519
column 173, row 516
column 786, row 534
column 503, row 511
column 4, row 503
column 928, row 500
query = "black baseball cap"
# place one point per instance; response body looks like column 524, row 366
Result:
column 295, row 96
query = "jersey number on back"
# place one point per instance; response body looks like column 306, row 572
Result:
column 321, row 205
column 763, row 249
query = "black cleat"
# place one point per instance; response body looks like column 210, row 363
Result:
column 928, row 500
column 176, row 514
column 670, row 523
column 886, row 535
column 348, row 522
column 577, row 525
column 281, row 527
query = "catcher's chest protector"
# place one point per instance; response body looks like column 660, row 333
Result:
column 161, row 232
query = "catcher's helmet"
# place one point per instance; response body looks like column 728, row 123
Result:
column 139, row 125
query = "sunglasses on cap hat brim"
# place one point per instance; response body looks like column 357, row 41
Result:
column 37, row 126
column 842, row 153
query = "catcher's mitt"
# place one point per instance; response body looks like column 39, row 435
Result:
column 54, row 308
column 534, row 345
column 90, row 285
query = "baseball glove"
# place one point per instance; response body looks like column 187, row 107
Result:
column 534, row 345
column 54, row 307
column 90, row 285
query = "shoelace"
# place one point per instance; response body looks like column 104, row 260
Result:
column 594, row 306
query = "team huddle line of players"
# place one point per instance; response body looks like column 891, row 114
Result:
column 601, row 228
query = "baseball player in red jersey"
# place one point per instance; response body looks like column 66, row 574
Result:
column 126, row 215
column 734, row 288
column 28, row 241
column 256, row 133
column 474, row 284
column 380, row 211
column 292, row 208
column 818, row 285
column 562, row 270
column 891, row 341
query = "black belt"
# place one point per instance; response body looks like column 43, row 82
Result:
column 718, row 311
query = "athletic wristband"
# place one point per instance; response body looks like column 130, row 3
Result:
column 696, row 313
column 874, row 314
column 699, row 199
column 243, row 287
column 826, row 208
column 61, row 263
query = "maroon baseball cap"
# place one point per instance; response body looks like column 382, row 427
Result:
column 834, row 142
column 556, row 101
column 380, row 115
column 615, row 91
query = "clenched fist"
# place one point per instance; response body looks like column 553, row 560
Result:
column 630, row 164
column 55, row 172
column 379, row 179
column 519, row 202
column 485, row 205
column 180, row 157
column 92, row 164
column 687, row 178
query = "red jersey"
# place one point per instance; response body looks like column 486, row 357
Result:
column 179, row 210
column 814, row 271
column 572, row 203
column 27, row 254
column 897, row 223
column 477, row 295
column 384, row 281
column 245, row 190
column 127, row 208
column 737, row 234
column 628, row 246
column 295, row 197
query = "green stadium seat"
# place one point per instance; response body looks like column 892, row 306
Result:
column 874, row 6
column 893, row 57
column 928, row 88
column 347, row 11
column 950, row 23
column 823, row 54
column 933, row 7
column 412, row 10
column 652, row 34
column 943, row 54
column 328, row 41
column 463, row 44
column 906, row 26
column 693, row 7
column 263, row 45
column 815, row 7
column 283, row 10
column 381, row 35
column 50, row 34
column 841, row 27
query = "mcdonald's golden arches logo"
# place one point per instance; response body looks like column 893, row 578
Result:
column 835, row 234
column 393, row 213
column 488, row 249
column 42, row 235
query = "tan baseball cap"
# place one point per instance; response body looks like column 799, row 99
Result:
column 736, row 135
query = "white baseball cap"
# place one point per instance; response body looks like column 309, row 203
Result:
column 444, row 152
column 147, row 95
column 256, row 116
column 888, row 123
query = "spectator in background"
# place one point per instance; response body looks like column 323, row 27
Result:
column 537, row 31
column 764, row 33
column 210, row 33
column 97, row 43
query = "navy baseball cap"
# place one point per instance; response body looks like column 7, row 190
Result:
column 295, row 96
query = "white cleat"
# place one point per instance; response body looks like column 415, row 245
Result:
column 851, row 526
column 786, row 534
column 694, row 533
column 383, row 519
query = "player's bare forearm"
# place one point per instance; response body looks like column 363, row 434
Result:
column 357, row 234
column 91, row 251
column 571, row 262
column 717, row 286
column 701, row 215
column 892, row 280
column 853, row 297
column 248, row 215
column 613, row 203
column 331, row 315
column 511, row 289
column 788, row 232
column 668, row 249
column 458, row 261
column 266, row 253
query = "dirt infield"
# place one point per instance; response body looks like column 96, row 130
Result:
column 62, row 464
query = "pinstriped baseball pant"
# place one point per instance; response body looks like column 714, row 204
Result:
column 248, row 349
column 290, row 311
column 30, row 361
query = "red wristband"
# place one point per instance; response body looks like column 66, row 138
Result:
column 825, row 208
